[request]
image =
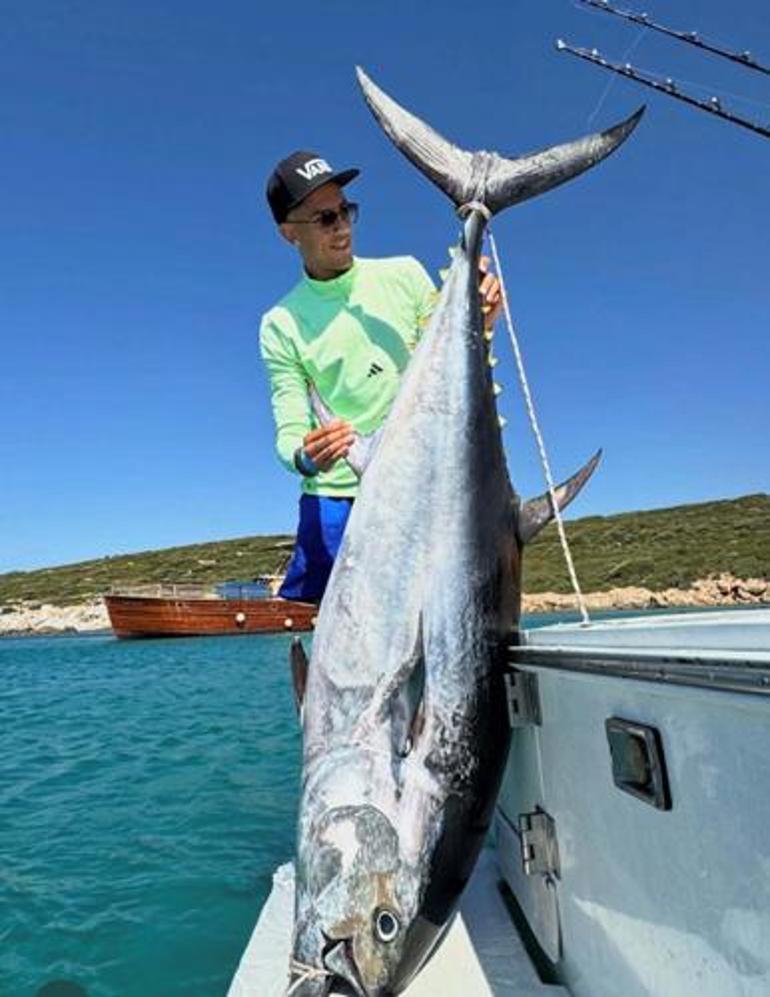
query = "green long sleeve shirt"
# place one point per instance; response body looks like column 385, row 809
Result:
column 352, row 337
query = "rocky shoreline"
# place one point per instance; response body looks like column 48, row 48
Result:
column 720, row 590
column 28, row 618
column 25, row 619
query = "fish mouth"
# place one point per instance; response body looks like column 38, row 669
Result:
column 345, row 980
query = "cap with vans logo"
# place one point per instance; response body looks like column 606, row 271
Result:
column 297, row 176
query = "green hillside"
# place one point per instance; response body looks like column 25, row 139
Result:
column 658, row 549
column 223, row 560
column 662, row 548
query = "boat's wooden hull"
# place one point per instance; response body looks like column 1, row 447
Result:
column 137, row 616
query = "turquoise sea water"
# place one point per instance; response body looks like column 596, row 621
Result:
column 147, row 792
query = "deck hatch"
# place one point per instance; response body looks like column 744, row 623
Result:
column 638, row 761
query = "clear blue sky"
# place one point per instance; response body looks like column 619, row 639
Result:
column 137, row 252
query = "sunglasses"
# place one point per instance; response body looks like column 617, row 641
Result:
column 329, row 217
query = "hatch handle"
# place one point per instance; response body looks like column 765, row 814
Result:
column 638, row 761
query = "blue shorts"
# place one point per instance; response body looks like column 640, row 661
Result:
column 322, row 522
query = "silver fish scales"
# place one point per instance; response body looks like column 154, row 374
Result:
column 405, row 726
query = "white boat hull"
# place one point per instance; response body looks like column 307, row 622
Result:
column 649, row 901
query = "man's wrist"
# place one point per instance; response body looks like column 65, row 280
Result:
column 305, row 464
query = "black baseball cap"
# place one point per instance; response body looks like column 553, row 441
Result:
column 297, row 176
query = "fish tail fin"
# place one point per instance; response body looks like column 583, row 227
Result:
column 487, row 177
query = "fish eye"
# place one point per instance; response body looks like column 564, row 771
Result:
column 386, row 925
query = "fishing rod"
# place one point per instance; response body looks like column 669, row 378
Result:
column 662, row 85
column 690, row 37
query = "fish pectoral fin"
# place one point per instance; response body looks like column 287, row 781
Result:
column 406, row 703
column 416, row 728
column 407, row 711
column 538, row 512
column 362, row 448
column 299, row 664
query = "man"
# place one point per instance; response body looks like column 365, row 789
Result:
column 348, row 327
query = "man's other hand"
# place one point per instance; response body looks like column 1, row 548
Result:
column 328, row 444
column 490, row 293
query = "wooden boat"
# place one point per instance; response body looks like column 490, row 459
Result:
column 171, row 610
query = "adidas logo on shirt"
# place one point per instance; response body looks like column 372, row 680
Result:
column 374, row 369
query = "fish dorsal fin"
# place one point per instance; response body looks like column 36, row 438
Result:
column 298, row 659
column 363, row 447
column 538, row 512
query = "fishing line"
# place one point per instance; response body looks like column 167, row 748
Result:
column 714, row 90
column 706, row 88
column 614, row 79
column 530, row 405
column 668, row 86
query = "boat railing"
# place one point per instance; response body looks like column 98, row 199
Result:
column 166, row 590
column 271, row 582
column 262, row 586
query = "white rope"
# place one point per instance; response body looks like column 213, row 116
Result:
column 538, row 435
column 465, row 209
column 306, row 972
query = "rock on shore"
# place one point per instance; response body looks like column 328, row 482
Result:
column 35, row 618
column 722, row 590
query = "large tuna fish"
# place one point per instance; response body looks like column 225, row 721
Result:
column 404, row 713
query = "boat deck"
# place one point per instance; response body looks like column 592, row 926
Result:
column 481, row 956
column 700, row 682
column 726, row 650
column 737, row 631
